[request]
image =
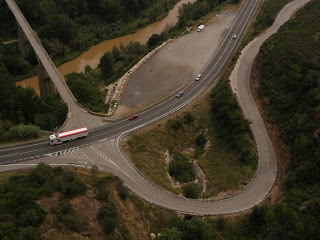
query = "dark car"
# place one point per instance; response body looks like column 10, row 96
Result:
column 179, row 94
column 134, row 116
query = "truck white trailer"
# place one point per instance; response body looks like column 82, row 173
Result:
column 71, row 135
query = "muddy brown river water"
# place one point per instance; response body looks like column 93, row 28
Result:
column 92, row 56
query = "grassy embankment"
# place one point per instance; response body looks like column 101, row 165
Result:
column 224, row 169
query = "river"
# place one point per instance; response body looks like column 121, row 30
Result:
column 92, row 56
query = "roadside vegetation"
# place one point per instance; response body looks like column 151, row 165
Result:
column 264, row 19
column 23, row 113
column 288, row 77
column 206, row 135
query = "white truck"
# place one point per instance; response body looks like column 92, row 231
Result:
column 71, row 135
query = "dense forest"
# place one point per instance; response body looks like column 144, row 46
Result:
column 288, row 68
column 289, row 65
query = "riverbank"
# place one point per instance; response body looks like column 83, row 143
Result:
column 92, row 56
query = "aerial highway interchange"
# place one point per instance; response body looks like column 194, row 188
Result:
column 102, row 147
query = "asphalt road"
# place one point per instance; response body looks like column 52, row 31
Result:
column 101, row 147
column 150, row 115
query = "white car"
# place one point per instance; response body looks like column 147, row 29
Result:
column 234, row 36
column 200, row 28
column 198, row 77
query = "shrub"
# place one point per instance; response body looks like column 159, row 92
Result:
column 201, row 140
column 28, row 233
column 108, row 224
column 191, row 191
column 24, row 131
column 175, row 124
column 108, row 217
column 103, row 194
column 197, row 228
column 65, row 206
column 107, row 210
column 41, row 174
column 188, row 117
column 72, row 223
column 123, row 193
column 73, row 189
column 180, row 168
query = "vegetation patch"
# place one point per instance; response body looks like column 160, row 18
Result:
column 225, row 169
column 288, row 70
column 35, row 205
column 181, row 168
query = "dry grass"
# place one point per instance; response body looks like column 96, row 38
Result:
column 225, row 174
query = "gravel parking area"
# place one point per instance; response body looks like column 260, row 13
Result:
column 175, row 64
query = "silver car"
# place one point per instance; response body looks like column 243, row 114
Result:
column 179, row 94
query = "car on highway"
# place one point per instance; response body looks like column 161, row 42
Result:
column 198, row 77
column 234, row 36
column 179, row 94
column 134, row 116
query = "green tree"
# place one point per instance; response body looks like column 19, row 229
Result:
column 188, row 117
column 197, row 229
column 85, row 91
column 106, row 65
column 108, row 217
column 180, row 168
column 191, row 190
column 111, row 10
column 123, row 193
column 28, row 233
column 116, row 53
column 42, row 174
column 62, row 27
column 172, row 233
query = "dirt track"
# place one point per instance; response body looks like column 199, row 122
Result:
column 174, row 65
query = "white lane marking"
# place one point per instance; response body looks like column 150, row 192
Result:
column 105, row 157
column 26, row 146
column 14, row 154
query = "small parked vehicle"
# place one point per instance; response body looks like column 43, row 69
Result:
column 200, row 28
column 134, row 116
column 234, row 36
